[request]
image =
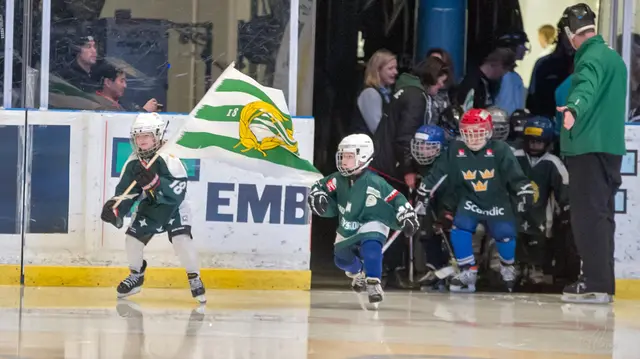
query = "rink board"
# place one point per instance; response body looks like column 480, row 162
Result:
column 251, row 231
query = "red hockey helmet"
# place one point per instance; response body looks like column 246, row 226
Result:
column 476, row 128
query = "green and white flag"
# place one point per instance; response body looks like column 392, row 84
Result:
column 247, row 125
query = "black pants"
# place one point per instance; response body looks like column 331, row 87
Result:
column 594, row 179
column 530, row 249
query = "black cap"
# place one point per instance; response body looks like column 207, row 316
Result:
column 577, row 19
column 512, row 39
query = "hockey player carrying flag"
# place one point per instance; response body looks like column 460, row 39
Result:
column 160, row 187
column 367, row 207
column 485, row 174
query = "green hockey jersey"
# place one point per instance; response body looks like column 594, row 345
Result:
column 445, row 198
column 169, row 195
column 550, row 179
column 367, row 206
column 483, row 181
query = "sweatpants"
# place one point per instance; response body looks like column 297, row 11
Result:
column 594, row 179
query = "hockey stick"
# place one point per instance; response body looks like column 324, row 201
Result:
column 416, row 209
column 453, row 263
column 124, row 194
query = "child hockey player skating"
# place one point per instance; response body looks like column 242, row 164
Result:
column 160, row 190
column 484, row 173
column 427, row 144
column 550, row 177
column 367, row 207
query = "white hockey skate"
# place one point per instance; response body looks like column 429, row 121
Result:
column 197, row 288
column 358, row 281
column 509, row 276
column 133, row 283
column 465, row 281
column 374, row 290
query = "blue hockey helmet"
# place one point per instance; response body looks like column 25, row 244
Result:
column 538, row 133
column 427, row 143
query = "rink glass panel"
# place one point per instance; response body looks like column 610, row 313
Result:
column 170, row 50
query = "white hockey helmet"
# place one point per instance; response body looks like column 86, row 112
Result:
column 148, row 123
column 355, row 153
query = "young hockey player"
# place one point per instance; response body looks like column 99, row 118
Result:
column 550, row 178
column 484, row 173
column 367, row 207
column 500, row 123
column 427, row 144
column 516, row 124
column 160, row 190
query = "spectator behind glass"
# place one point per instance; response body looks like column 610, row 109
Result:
column 548, row 73
column 477, row 88
column 547, row 39
column 412, row 107
column 114, row 84
column 511, row 95
column 78, row 73
column 380, row 75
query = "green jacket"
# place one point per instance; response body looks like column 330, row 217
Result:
column 597, row 98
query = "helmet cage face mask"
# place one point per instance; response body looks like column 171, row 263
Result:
column 475, row 136
column 351, row 160
column 500, row 131
column 156, row 130
column 425, row 152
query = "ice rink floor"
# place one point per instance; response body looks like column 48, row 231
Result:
column 89, row 323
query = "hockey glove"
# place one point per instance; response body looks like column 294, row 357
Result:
column 111, row 215
column 423, row 194
column 147, row 179
column 408, row 220
column 445, row 222
column 525, row 197
column 318, row 201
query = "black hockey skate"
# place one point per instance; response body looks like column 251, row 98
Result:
column 579, row 293
column 358, row 283
column 509, row 276
column 374, row 290
column 197, row 288
column 133, row 283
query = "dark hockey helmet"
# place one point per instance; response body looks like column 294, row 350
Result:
column 516, row 123
column 449, row 121
column 577, row 19
column 538, row 135
column 501, row 123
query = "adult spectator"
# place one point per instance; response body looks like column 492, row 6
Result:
column 478, row 88
column 548, row 73
column 114, row 84
column 374, row 100
column 546, row 38
column 412, row 106
column 511, row 95
column 592, row 140
column 78, row 73
column 442, row 97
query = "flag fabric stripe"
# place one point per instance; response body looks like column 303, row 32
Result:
column 232, row 85
column 278, row 155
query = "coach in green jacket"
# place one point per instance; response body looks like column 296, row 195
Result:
column 592, row 141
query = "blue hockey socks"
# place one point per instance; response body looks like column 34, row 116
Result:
column 462, row 243
column 371, row 253
column 347, row 260
column 506, row 249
